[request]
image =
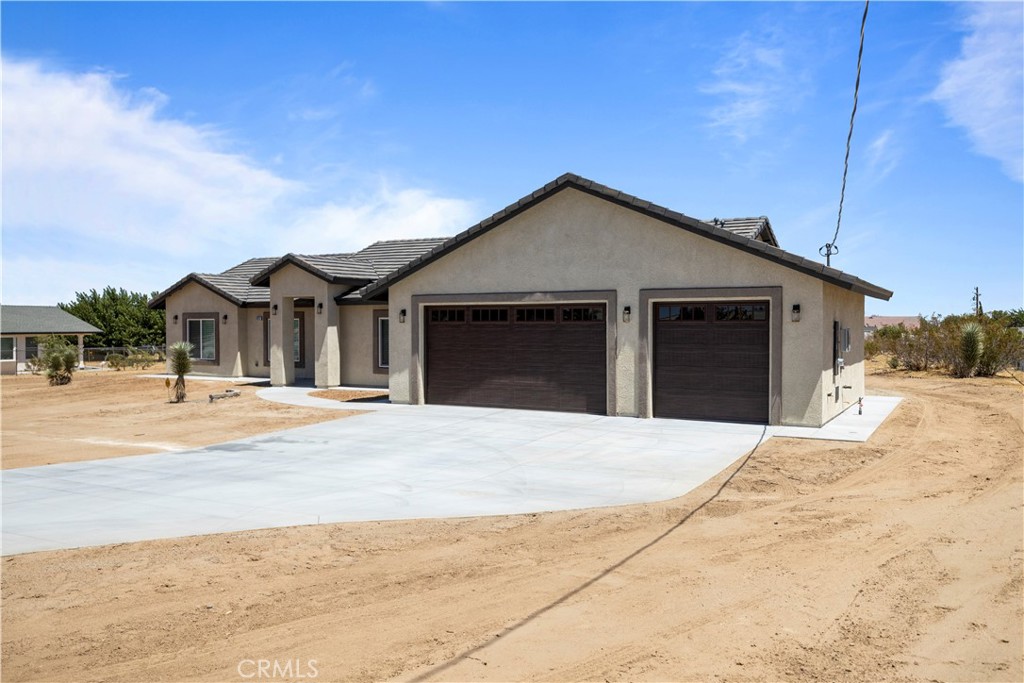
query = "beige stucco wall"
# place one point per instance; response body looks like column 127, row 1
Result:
column 573, row 241
column 232, row 337
column 848, row 308
column 254, row 365
column 357, row 353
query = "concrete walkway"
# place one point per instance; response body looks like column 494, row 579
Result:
column 396, row 462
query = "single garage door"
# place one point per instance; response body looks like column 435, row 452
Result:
column 538, row 357
column 711, row 361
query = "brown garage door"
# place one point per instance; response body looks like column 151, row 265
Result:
column 539, row 357
column 711, row 361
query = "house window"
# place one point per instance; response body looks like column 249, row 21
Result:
column 299, row 340
column 7, row 348
column 31, row 347
column 202, row 334
column 381, row 342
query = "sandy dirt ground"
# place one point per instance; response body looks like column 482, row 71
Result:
column 106, row 414
column 898, row 559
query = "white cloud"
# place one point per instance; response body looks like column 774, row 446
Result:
column 883, row 154
column 754, row 80
column 82, row 156
column 379, row 214
column 982, row 90
column 100, row 188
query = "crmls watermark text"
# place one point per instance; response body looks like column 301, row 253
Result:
column 269, row 669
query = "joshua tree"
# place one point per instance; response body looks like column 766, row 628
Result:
column 181, row 365
column 58, row 359
column 972, row 342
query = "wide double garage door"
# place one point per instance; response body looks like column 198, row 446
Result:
column 711, row 361
column 550, row 357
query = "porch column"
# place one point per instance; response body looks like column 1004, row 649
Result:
column 282, row 342
column 81, row 351
column 327, row 347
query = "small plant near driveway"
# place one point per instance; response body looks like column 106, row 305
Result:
column 181, row 365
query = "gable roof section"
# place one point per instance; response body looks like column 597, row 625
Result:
column 759, row 228
column 360, row 268
column 42, row 320
column 674, row 218
column 233, row 284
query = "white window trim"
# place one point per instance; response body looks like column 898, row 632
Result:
column 14, row 349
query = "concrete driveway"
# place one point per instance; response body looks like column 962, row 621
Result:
column 399, row 463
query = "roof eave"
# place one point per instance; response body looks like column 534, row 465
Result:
column 160, row 300
column 262, row 278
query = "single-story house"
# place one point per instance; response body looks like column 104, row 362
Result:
column 21, row 326
column 872, row 323
column 577, row 297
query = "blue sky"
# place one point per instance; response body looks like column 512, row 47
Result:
column 144, row 141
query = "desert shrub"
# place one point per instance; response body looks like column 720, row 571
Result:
column 181, row 365
column 1004, row 348
column 972, row 340
column 58, row 359
column 963, row 345
column 117, row 361
column 141, row 359
column 916, row 349
column 872, row 347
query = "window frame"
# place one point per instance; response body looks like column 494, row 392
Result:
column 378, row 338
column 13, row 351
column 186, row 320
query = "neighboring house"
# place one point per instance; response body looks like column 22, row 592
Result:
column 21, row 327
column 577, row 297
column 872, row 323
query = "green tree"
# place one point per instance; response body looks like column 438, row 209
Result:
column 1011, row 318
column 125, row 317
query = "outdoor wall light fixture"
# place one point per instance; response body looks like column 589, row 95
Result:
column 273, row 309
column 225, row 318
column 401, row 316
column 795, row 315
column 626, row 313
column 320, row 308
column 175, row 320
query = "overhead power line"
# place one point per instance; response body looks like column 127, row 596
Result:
column 831, row 248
